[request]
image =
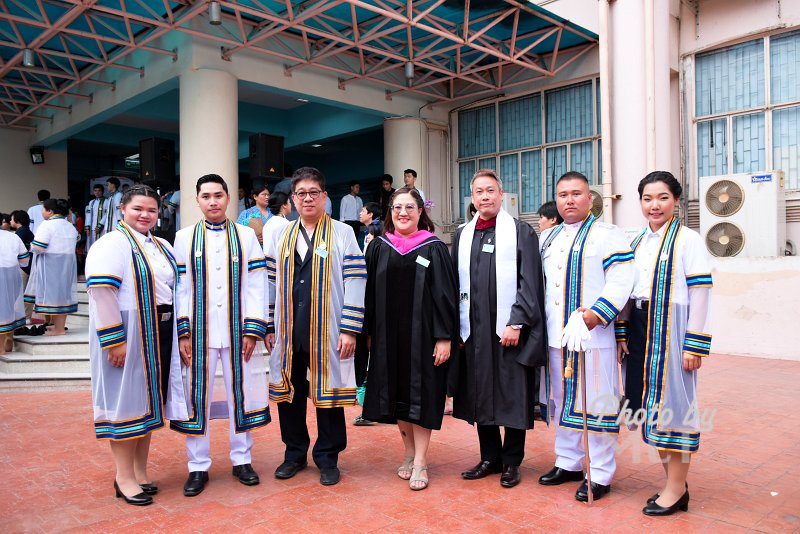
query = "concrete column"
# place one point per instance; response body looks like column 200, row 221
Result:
column 405, row 146
column 209, row 133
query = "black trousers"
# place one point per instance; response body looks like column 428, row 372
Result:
column 165, row 347
column 634, row 363
column 508, row 451
column 331, row 429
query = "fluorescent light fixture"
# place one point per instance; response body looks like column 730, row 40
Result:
column 37, row 155
column 301, row 100
column 316, row 145
column 214, row 13
column 27, row 57
column 409, row 70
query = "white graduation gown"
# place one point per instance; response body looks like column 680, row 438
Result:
column 13, row 256
column 52, row 285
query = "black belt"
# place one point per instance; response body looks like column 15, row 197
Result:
column 643, row 305
column 164, row 312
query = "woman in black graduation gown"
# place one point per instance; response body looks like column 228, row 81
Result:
column 411, row 316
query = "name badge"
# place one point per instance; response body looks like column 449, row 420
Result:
column 423, row 261
column 488, row 248
column 321, row 252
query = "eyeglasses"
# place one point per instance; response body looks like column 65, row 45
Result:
column 398, row 208
column 314, row 194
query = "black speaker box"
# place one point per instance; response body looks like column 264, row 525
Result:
column 266, row 156
column 157, row 161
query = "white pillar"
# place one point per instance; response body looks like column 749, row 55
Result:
column 209, row 134
column 405, row 146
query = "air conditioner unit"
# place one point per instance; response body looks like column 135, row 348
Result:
column 743, row 214
column 597, row 201
column 510, row 204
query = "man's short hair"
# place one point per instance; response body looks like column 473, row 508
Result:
column 488, row 173
column 211, row 179
column 387, row 178
column 412, row 172
column 572, row 175
column 113, row 181
column 550, row 211
column 21, row 217
column 43, row 194
column 354, row 183
column 99, row 186
column 308, row 173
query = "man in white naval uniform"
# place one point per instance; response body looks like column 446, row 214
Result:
column 94, row 212
column 588, row 268
column 221, row 315
column 112, row 209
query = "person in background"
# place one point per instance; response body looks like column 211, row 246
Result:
column 5, row 222
column 112, row 206
column 131, row 279
column 20, row 222
column 94, row 214
column 54, row 276
column 671, row 300
column 370, row 216
column 410, row 180
column 13, row 256
column 350, row 208
column 411, row 310
column 259, row 209
column 384, row 194
column 35, row 211
column 549, row 216
column 244, row 201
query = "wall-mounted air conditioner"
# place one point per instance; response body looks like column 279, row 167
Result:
column 597, row 201
column 743, row 214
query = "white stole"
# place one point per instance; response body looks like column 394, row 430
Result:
column 505, row 275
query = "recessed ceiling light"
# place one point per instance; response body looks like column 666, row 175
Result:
column 303, row 100
column 316, row 145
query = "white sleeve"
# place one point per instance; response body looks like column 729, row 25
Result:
column 699, row 283
column 620, row 273
column 184, row 292
column 105, row 268
column 255, row 321
column 23, row 255
column 354, row 274
column 42, row 238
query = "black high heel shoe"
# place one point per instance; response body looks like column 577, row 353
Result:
column 150, row 489
column 654, row 509
column 656, row 495
column 141, row 499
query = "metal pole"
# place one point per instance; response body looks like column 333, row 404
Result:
column 584, row 409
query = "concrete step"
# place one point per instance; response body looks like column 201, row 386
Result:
column 20, row 383
column 74, row 343
column 21, row 363
column 83, row 297
column 77, row 320
column 83, row 306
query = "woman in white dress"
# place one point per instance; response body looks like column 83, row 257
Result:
column 13, row 256
column 131, row 279
column 280, row 206
column 663, row 335
column 54, row 275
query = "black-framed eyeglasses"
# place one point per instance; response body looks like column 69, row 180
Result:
column 314, row 194
column 398, row 208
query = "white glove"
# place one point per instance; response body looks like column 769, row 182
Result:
column 575, row 334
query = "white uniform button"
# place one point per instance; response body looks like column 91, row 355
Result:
column 219, row 267
column 558, row 284
column 557, row 303
column 219, row 305
column 219, row 287
column 560, row 267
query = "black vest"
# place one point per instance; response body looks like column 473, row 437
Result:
column 301, row 301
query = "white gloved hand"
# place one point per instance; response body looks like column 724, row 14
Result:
column 575, row 334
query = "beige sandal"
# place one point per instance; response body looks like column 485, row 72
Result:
column 404, row 471
column 416, row 476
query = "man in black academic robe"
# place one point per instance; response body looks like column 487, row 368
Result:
column 503, row 330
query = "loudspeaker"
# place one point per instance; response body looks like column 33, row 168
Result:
column 157, row 161
column 266, row 156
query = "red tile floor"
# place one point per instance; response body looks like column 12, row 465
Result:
column 56, row 477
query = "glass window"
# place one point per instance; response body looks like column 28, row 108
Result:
column 476, row 132
column 730, row 79
column 531, row 181
column 509, row 173
column 520, row 123
column 569, row 112
column 749, row 152
column 465, row 171
column 487, row 163
column 580, row 159
column 786, row 144
column 556, row 166
column 784, row 52
column 712, row 148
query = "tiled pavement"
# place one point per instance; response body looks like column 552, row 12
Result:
column 56, row 477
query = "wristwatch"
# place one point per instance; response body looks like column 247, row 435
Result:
column 516, row 326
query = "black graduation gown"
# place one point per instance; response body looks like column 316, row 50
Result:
column 408, row 307
column 492, row 384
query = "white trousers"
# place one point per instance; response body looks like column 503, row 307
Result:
column 198, row 447
column 569, row 443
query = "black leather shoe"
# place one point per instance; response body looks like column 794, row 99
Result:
column 510, row 477
column 655, row 509
column 140, row 499
column 557, row 476
column 598, row 490
column 656, row 495
column 328, row 476
column 196, row 483
column 246, row 474
column 150, row 489
column 482, row 470
column 289, row 469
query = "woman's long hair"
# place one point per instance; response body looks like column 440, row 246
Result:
column 425, row 222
